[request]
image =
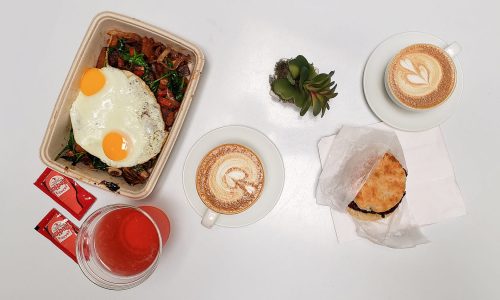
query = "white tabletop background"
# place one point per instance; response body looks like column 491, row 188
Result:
column 293, row 252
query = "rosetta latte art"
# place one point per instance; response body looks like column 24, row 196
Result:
column 421, row 76
column 416, row 77
column 230, row 178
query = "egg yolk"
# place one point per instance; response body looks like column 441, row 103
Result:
column 115, row 146
column 92, row 81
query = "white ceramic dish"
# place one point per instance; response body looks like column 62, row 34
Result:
column 267, row 152
column 380, row 102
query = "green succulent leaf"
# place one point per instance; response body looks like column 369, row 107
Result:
column 290, row 78
column 283, row 88
column 294, row 70
column 287, row 92
column 330, row 84
column 313, row 88
column 327, row 94
column 295, row 66
column 316, row 104
column 323, row 101
column 320, row 78
column 323, row 109
column 303, row 76
column 312, row 72
column 300, row 99
column 306, row 106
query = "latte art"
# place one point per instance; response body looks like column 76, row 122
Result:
column 230, row 179
column 421, row 76
column 415, row 77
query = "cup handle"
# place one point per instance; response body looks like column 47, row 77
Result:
column 453, row 49
column 209, row 218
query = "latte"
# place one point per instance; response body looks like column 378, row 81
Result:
column 420, row 76
column 230, row 179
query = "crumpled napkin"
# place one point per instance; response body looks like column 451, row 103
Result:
column 432, row 193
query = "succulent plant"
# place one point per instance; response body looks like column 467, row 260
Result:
column 296, row 81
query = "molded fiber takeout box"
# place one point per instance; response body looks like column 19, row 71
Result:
column 57, row 134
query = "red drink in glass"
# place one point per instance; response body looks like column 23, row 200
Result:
column 118, row 246
column 126, row 241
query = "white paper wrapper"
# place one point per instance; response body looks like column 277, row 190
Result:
column 353, row 153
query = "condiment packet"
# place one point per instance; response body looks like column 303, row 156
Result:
column 60, row 231
column 65, row 191
column 352, row 155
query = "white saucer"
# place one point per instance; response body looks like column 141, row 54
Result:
column 271, row 160
column 382, row 105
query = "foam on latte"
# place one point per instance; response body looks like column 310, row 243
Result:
column 421, row 76
column 230, row 179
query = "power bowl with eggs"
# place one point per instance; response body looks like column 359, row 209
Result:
column 60, row 130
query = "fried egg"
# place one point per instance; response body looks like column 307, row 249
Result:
column 116, row 118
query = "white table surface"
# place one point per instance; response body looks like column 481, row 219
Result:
column 293, row 252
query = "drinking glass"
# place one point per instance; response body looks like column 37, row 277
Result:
column 118, row 246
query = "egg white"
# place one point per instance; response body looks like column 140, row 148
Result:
column 125, row 104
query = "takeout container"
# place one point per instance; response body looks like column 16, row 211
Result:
column 57, row 134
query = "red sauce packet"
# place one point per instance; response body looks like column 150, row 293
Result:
column 60, row 231
column 65, row 191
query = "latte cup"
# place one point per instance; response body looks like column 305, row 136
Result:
column 229, row 180
column 421, row 77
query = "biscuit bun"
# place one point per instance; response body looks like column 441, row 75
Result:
column 382, row 192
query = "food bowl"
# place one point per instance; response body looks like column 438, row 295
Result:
column 57, row 133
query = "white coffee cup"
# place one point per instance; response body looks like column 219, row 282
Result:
column 451, row 50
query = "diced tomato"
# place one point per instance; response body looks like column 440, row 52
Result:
column 168, row 103
column 162, row 92
column 139, row 70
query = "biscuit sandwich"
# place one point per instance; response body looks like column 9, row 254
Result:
column 382, row 191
